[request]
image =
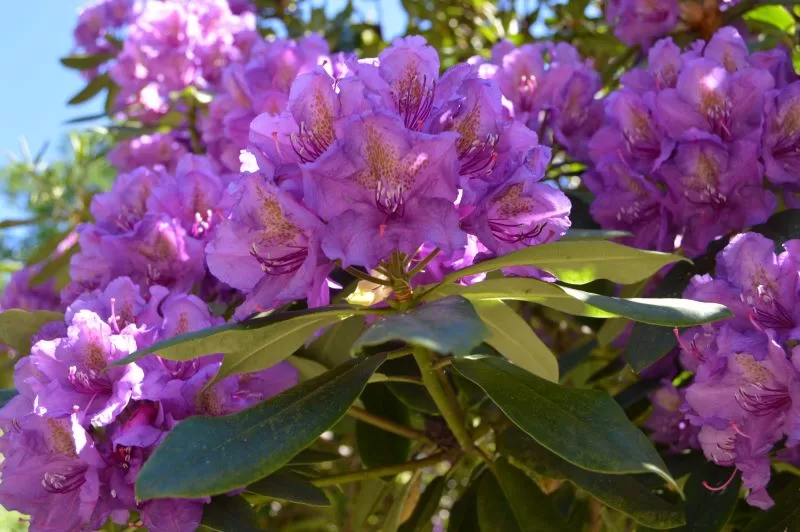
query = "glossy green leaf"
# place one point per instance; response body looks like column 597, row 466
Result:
column 658, row 311
column 306, row 369
column 414, row 397
column 464, row 513
column 709, row 510
column 17, row 327
column 208, row 455
column 366, row 500
column 774, row 15
column 593, row 234
column 228, row 514
column 579, row 262
column 625, row 493
column 311, row 457
column 92, row 89
column 248, row 346
column 286, row 486
column 376, row 447
column 403, row 496
column 448, row 325
column 6, row 396
column 332, row 347
column 533, row 509
column 784, row 516
column 493, row 509
column 585, row 427
column 515, row 340
column 426, row 506
column 86, row 61
column 655, row 311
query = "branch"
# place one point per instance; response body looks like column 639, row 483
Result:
column 388, row 425
column 379, row 472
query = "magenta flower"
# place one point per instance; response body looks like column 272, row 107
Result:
column 782, row 135
column 640, row 22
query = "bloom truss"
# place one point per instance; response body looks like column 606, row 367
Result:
column 350, row 163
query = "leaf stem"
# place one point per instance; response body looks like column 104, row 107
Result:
column 444, row 397
column 424, row 262
column 388, row 425
column 378, row 472
column 401, row 378
column 366, row 277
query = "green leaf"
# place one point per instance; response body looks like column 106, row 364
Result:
column 464, row 513
column 625, row 493
column 777, row 16
column 515, row 340
column 371, row 492
column 85, row 61
column 307, row 369
column 403, row 496
column 426, row 506
column 414, row 397
column 658, row 311
column 376, row 447
column 250, row 345
column 286, row 486
column 579, row 262
column 655, row 311
column 494, row 512
column 6, row 396
column 708, row 510
column 593, row 234
column 209, row 455
column 585, row 427
column 533, row 510
column 229, row 514
column 448, row 325
column 332, row 347
column 92, row 89
column 17, row 327
column 311, row 457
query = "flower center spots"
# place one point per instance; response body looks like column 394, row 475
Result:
column 414, row 97
column 508, row 207
column 311, row 140
column 717, row 110
column 94, row 357
column 478, row 156
column 754, row 372
column 704, row 185
column 667, row 77
column 68, row 479
column 277, row 228
column 208, row 402
column 61, row 441
column 386, row 175
column 161, row 250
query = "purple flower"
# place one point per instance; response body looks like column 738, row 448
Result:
column 640, row 22
column 627, row 201
column 715, row 188
column 51, row 472
column 163, row 149
column 710, row 98
column 782, row 135
column 384, row 188
column 76, row 375
column 668, row 424
column 269, row 248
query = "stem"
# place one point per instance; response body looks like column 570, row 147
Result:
column 443, row 396
column 366, row 277
column 378, row 472
column 400, row 378
column 388, row 425
column 424, row 262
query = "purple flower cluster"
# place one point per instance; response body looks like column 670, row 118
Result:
column 76, row 437
column 681, row 156
column 640, row 22
column 260, row 85
column 101, row 21
column 377, row 156
column 175, row 44
column 743, row 400
column 549, row 88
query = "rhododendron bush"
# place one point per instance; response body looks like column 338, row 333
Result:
column 515, row 270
